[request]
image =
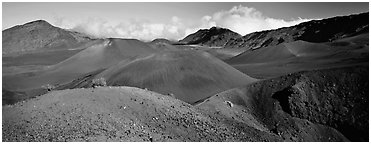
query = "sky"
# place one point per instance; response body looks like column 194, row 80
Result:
column 147, row 21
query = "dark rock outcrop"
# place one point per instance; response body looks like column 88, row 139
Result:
column 214, row 36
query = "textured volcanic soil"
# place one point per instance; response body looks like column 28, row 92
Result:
column 132, row 114
column 336, row 98
column 117, row 114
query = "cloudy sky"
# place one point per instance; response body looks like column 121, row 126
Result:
column 147, row 21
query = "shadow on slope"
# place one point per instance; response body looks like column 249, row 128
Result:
column 293, row 105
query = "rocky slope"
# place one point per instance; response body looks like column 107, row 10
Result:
column 215, row 37
column 115, row 114
column 129, row 114
column 37, row 35
column 324, row 30
column 336, row 98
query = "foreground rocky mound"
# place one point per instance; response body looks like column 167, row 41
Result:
column 115, row 114
column 129, row 114
column 293, row 105
column 38, row 35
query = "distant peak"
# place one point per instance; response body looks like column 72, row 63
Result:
column 160, row 40
column 215, row 28
column 219, row 29
column 38, row 22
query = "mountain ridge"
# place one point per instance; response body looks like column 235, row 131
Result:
column 323, row 30
column 39, row 34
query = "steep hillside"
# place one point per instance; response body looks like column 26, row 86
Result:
column 39, row 35
column 293, row 105
column 187, row 75
column 214, row 36
column 324, row 30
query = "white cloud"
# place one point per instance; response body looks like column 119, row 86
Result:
column 240, row 19
column 142, row 30
column 244, row 20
